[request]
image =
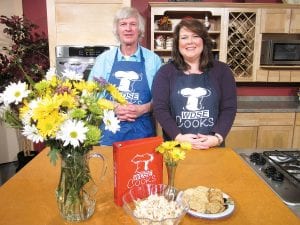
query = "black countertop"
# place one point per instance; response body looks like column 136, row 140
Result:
column 268, row 104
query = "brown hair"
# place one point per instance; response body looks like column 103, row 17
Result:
column 206, row 59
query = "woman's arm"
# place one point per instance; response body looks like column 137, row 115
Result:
column 161, row 89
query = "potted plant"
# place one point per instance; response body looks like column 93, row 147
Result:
column 26, row 59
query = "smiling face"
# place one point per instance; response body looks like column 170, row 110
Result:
column 190, row 45
column 128, row 31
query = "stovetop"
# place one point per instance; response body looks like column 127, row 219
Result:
column 280, row 170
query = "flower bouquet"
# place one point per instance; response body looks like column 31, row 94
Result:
column 65, row 113
column 172, row 152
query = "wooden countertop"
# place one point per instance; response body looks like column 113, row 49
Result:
column 28, row 198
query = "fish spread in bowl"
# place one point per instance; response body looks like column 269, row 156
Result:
column 155, row 204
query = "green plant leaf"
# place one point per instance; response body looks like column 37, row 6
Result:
column 53, row 155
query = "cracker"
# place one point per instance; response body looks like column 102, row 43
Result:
column 204, row 200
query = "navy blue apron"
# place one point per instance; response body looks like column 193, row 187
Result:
column 194, row 103
column 131, row 80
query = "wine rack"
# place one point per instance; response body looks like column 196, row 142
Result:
column 240, row 45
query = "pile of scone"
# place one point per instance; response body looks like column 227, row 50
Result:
column 204, row 200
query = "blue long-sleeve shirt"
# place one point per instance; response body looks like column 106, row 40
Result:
column 104, row 63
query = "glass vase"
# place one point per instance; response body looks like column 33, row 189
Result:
column 76, row 190
column 171, row 171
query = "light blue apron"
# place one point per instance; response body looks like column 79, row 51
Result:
column 130, row 78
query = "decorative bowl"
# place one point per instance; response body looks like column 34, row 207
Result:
column 155, row 204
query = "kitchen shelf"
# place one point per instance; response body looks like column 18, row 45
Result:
column 158, row 36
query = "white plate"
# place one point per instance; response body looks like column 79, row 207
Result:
column 229, row 209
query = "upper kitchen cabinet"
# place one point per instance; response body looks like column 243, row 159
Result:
column 165, row 16
column 237, row 31
column 232, row 28
column 81, row 22
column 280, row 20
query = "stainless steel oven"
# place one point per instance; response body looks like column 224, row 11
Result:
column 77, row 58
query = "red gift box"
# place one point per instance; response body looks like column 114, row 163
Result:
column 136, row 163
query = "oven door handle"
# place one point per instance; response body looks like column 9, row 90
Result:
column 71, row 63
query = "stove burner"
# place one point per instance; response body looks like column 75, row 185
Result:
column 287, row 162
column 257, row 158
column 269, row 171
column 272, row 173
column 277, row 176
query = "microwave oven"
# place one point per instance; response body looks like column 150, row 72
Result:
column 280, row 52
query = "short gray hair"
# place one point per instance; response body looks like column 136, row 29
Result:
column 127, row 12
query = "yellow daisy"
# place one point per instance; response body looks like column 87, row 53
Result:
column 105, row 104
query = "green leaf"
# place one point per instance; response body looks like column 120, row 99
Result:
column 53, row 155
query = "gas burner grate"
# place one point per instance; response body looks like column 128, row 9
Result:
column 288, row 162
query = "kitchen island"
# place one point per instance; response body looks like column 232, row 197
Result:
column 28, row 198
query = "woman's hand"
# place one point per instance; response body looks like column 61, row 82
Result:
column 205, row 141
column 186, row 138
column 198, row 141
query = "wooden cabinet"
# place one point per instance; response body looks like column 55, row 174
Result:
column 161, row 36
column 237, row 30
column 262, row 130
column 280, row 21
column 81, row 22
column 275, row 136
column 295, row 21
column 242, row 137
column 296, row 139
column 283, row 74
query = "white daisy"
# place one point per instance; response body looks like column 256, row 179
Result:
column 3, row 109
column 50, row 73
column 32, row 133
column 72, row 132
column 26, row 118
column 34, row 103
column 14, row 93
column 72, row 74
column 111, row 122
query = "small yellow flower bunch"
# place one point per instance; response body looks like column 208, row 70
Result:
column 173, row 151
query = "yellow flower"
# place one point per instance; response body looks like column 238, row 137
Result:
column 54, row 81
column 169, row 144
column 105, row 104
column 67, row 83
column 186, row 145
column 48, row 126
column 173, row 151
column 178, row 154
column 112, row 89
column 88, row 86
column 24, row 110
column 45, row 107
column 66, row 100
column 160, row 149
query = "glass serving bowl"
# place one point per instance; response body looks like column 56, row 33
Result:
column 155, row 204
